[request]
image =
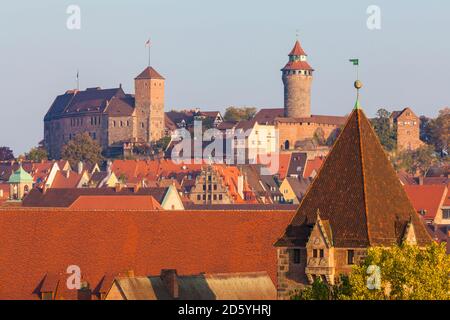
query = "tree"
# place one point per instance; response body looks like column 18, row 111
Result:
column 437, row 131
column 417, row 161
column 385, row 132
column 238, row 114
column 6, row 154
column 82, row 148
column 319, row 137
column 406, row 273
column 37, row 154
column 317, row 291
column 390, row 273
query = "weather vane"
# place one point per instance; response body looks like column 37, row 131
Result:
column 358, row 84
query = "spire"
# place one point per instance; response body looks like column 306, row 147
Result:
column 297, row 50
column 358, row 192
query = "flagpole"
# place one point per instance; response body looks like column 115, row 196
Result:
column 149, row 52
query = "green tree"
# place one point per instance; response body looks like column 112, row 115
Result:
column 406, row 272
column 385, row 132
column 6, row 154
column 417, row 161
column 317, row 291
column 37, row 154
column 238, row 114
column 82, row 148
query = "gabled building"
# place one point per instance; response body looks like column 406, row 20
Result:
column 355, row 202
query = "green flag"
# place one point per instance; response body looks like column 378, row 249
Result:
column 355, row 62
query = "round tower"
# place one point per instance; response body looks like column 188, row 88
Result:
column 297, row 79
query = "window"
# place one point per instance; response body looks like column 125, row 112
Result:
column 445, row 213
column 215, row 197
column 296, row 256
column 321, row 253
column 220, row 197
column 215, row 187
column 114, row 123
column 314, row 253
column 199, row 197
column 204, row 197
column 350, row 257
column 94, row 135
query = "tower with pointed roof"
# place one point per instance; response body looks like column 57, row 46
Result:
column 149, row 105
column 355, row 202
column 297, row 77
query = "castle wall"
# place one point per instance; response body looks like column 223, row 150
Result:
column 298, row 131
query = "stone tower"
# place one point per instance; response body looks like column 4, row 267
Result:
column 149, row 102
column 297, row 79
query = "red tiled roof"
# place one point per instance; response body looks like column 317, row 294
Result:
column 115, row 203
column 40, row 242
column 297, row 65
column 358, row 192
column 149, row 73
column 313, row 165
column 63, row 181
column 297, row 50
column 426, row 197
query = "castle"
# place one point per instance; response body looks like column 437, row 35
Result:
column 294, row 122
column 111, row 117
column 117, row 120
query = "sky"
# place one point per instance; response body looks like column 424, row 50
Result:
column 216, row 54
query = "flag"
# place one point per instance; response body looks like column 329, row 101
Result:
column 147, row 44
column 355, row 62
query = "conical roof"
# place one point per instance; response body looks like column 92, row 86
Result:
column 297, row 50
column 20, row 176
column 358, row 192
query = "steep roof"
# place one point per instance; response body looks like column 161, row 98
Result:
column 297, row 50
column 149, row 73
column 358, row 192
column 39, row 242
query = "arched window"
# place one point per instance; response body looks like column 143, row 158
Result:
column 286, row 145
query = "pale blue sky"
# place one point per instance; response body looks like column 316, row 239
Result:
column 220, row 53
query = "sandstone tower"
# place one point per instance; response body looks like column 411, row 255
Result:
column 297, row 79
column 149, row 102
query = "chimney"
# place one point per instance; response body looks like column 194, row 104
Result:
column 136, row 187
column 169, row 278
column 118, row 187
column 67, row 173
column 421, row 180
column 80, row 167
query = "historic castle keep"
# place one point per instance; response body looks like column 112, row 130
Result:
column 111, row 117
column 294, row 122
column 117, row 120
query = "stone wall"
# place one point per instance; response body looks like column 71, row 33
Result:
column 298, row 131
column 297, row 95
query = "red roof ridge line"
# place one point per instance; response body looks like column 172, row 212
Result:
column 366, row 213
